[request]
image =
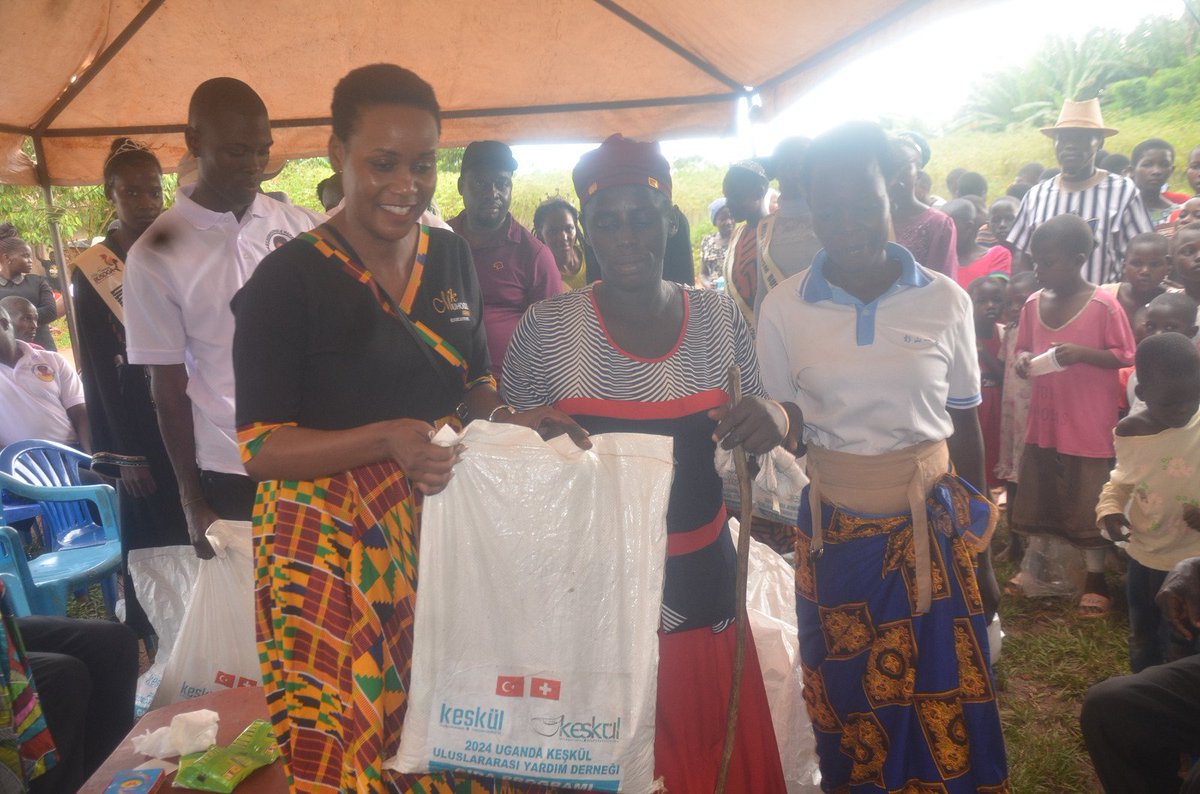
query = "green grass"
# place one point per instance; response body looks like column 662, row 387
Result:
column 60, row 331
column 1048, row 661
column 90, row 606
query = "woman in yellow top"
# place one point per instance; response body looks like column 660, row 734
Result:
column 556, row 223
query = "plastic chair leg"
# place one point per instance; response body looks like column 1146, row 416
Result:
column 108, row 587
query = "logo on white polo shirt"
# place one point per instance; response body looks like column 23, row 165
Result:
column 277, row 237
column 43, row 372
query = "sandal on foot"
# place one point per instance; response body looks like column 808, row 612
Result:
column 1093, row 605
column 1013, row 587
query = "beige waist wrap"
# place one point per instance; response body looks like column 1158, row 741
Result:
column 887, row 484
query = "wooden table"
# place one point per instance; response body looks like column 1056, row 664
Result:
column 237, row 707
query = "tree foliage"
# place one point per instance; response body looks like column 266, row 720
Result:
column 1078, row 69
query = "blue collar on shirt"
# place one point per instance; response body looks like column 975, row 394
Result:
column 816, row 288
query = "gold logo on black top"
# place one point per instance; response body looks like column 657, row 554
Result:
column 448, row 301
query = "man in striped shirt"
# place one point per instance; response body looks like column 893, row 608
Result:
column 1110, row 203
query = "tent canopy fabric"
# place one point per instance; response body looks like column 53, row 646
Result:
column 84, row 71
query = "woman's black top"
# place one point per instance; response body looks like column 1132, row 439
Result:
column 319, row 345
column 122, row 416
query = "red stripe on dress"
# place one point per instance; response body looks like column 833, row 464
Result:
column 687, row 313
column 636, row 409
column 686, row 542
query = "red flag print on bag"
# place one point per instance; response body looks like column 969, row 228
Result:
column 225, row 679
column 544, row 688
column 510, row 686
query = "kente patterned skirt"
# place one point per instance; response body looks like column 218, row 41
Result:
column 899, row 702
column 336, row 581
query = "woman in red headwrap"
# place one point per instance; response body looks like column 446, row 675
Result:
column 635, row 353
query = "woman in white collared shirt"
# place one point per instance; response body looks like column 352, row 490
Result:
column 874, row 356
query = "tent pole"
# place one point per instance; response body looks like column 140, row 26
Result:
column 43, row 173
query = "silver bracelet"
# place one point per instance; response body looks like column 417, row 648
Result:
column 509, row 408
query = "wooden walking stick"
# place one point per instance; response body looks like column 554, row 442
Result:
column 746, row 494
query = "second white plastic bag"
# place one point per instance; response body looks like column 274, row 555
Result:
column 163, row 578
column 535, row 650
column 216, row 647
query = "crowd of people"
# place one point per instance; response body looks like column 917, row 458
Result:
column 246, row 359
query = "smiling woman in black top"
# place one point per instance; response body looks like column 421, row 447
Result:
column 352, row 343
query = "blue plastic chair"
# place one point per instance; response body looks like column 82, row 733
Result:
column 43, row 585
column 77, row 518
column 49, row 465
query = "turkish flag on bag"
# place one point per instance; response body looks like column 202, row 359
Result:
column 544, row 688
column 510, row 686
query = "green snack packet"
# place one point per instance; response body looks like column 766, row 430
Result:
column 220, row 769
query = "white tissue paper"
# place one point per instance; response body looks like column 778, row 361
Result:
column 190, row 732
column 780, row 481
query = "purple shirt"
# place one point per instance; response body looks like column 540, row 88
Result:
column 515, row 271
column 932, row 240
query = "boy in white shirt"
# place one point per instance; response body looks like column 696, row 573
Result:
column 1158, row 477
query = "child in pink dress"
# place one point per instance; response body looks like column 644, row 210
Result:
column 1069, row 441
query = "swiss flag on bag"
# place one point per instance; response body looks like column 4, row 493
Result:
column 544, row 688
column 510, row 686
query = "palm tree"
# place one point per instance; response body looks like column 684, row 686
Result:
column 1071, row 68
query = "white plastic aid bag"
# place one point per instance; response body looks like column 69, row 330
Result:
column 535, row 650
column 216, row 647
column 163, row 578
column 771, row 607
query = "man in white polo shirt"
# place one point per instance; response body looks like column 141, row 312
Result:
column 40, row 394
column 179, row 279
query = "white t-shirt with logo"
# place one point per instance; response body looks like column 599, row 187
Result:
column 179, row 279
column 35, row 395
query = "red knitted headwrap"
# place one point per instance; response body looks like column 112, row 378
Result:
column 621, row 161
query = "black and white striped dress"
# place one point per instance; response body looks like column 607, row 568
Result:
column 1112, row 207
column 563, row 355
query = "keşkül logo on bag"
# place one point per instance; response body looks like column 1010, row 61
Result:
column 592, row 729
column 478, row 718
